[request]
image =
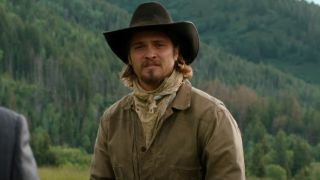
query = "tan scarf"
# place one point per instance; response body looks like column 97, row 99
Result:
column 151, row 105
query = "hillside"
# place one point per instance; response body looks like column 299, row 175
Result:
column 56, row 68
column 282, row 33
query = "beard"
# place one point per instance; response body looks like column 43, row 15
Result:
column 152, row 78
column 152, row 73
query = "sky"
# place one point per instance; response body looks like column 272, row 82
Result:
column 315, row 1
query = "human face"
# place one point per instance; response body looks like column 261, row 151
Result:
column 152, row 56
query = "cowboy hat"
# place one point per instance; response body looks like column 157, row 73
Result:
column 153, row 16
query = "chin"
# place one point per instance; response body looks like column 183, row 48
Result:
column 152, row 79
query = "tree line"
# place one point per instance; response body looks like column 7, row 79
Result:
column 56, row 69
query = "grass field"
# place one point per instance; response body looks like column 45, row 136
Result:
column 63, row 173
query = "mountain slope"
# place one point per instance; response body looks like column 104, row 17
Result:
column 283, row 33
column 68, row 61
column 56, row 68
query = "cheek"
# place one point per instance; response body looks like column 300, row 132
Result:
column 170, row 65
column 135, row 67
column 170, row 58
column 132, row 60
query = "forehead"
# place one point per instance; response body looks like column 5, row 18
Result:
column 149, row 36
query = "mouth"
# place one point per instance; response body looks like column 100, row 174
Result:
column 150, row 64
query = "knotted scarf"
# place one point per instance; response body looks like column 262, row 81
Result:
column 151, row 105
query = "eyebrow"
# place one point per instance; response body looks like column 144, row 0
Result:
column 153, row 41
column 136, row 43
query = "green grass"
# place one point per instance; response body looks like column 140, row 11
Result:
column 63, row 173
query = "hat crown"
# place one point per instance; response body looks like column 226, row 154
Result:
column 152, row 16
column 151, row 13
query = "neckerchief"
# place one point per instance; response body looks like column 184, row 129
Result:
column 151, row 105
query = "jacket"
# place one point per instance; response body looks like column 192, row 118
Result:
column 16, row 158
column 196, row 139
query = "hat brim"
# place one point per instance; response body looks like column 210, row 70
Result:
column 185, row 32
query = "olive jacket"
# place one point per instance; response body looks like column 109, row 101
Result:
column 196, row 139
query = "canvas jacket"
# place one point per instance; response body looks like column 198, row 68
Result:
column 196, row 139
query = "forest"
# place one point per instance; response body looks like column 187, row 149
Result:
column 261, row 58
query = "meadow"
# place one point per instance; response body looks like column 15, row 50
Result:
column 63, row 173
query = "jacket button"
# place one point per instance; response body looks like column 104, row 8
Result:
column 143, row 149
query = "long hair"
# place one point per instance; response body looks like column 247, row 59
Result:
column 181, row 66
column 127, row 75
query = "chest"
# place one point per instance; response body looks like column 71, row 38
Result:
column 173, row 152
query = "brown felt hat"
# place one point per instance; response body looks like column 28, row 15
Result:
column 153, row 16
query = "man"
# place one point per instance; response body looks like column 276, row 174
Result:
column 165, row 129
column 16, row 158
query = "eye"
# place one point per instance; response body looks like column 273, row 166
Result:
column 159, row 45
column 138, row 46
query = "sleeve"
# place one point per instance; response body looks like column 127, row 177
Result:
column 101, row 168
column 222, row 154
column 25, row 163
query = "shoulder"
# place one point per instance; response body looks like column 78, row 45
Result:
column 8, row 114
column 10, row 118
column 205, row 101
column 116, row 108
column 12, row 122
column 210, row 110
column 10, row 126
column 124, row 103
column 214, row 117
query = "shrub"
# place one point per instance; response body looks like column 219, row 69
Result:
column 67, row 156
column 276, row 172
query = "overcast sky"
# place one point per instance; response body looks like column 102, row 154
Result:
column 315, row 1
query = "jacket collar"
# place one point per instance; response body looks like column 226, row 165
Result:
column 182, row 100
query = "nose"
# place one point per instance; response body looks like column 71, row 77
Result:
column 150, row 53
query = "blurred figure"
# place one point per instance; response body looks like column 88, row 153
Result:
column 16, row 157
